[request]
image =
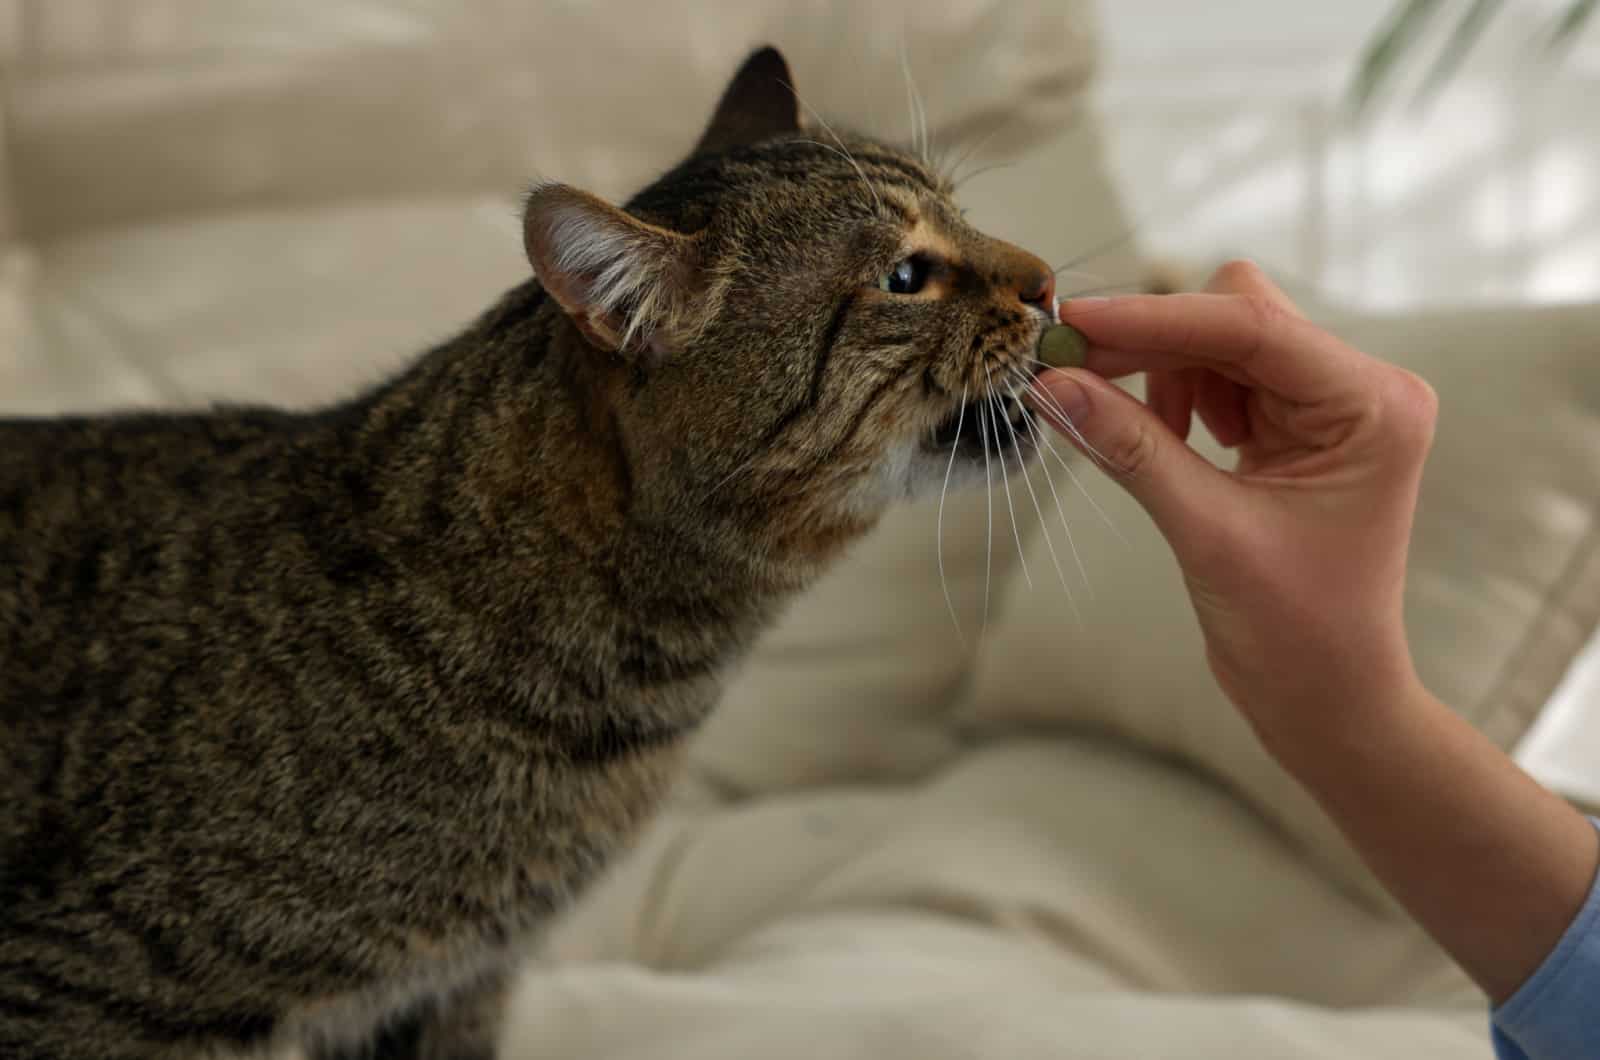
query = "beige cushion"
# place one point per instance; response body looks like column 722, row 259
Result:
column 120, row 112
column 280, row 202
column 1048, row 897
column 1504, row 586
column 285, row 202
column 136, row 122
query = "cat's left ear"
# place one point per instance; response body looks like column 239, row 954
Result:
column 758, row 104
column 628, row 285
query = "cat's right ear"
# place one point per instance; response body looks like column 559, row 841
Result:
column 629, row 286
column 758, row 104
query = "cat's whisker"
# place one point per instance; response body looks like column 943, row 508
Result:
column 1042, row 441
column 1127, row 287
column 848, row 157
column 929, row 148
column 988, row 499
column 944, row 582
column 1051, row 410
column 922, row 119
column 1096, row 277
column 980, row 171
column 1059, row 415
column 1005, row 477
column 1027, row 480
column 842, row 150
column 911, row 108
column 941, row 163
column 919, row 116
column 1087, row 496
column 1102, row 249
column 927, row 135
column 972, row 151
column 721, row 483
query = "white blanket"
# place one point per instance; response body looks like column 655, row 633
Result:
column 1032, row 898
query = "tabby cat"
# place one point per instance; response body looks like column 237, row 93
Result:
column 306, row 716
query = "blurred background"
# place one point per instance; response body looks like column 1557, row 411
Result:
column 283, row 200
column 1062, row 822
column 1229, row 130
column 1225, row 129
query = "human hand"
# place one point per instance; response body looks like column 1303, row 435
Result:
column 1294, row 560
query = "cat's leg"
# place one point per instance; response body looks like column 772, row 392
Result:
column 462, row 1026
column 466, row 1026
column 276, row 1050
column 449, row 1012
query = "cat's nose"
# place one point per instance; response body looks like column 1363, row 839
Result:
column 1036, row 285
column 1015, row 272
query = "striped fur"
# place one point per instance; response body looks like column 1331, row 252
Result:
column 308, row 719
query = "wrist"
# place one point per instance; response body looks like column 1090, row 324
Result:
column 1490, row 863
column 1334, row 724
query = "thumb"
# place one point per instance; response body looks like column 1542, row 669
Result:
column 1175, row 484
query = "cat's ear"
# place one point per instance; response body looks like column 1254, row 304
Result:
column 628, row 285
column 758, row 104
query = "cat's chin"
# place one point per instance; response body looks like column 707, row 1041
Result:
column 933, row 473
column 985, row 442
column 1002, row 421
column 963, row 461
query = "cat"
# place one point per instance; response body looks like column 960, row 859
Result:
column 305, row 716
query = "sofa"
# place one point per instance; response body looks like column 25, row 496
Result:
column 1023, row 824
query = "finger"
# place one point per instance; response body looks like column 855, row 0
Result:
column 1247, row 278
column 1115, row 364
column 1170, row 395
column 1223, row 408
column 1183, row 492
column 1245, row 336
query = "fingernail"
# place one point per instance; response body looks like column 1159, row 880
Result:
column 1069, row 394
column 1072, row 305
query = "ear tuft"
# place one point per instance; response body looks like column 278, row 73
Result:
column 758, row 104
column 628, row 285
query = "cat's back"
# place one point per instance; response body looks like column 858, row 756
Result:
column 60, row 472
column 50, row 466
column 94, row 509
column 116, row 534
column 99, row 515
column 140, row 567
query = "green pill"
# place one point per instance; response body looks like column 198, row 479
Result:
column 1062, row 347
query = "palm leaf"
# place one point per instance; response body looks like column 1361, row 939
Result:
column 1462, row 40
column 1394, row 41
column 1571, row 21
column 1382, row 56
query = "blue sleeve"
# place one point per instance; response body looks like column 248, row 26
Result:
column 1556, row 1013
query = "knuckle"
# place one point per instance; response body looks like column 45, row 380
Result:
column 1238, row 274
column 1265, row 312
column 1133, row 450
column 1413, row 407
column 1422, row 392
column 1415, row 396
column 1266, row 316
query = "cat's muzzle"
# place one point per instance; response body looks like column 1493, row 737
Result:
column 998, row 424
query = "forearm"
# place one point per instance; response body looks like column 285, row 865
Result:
column 1492, row 864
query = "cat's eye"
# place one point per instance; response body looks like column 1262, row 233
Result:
column 907, row 277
